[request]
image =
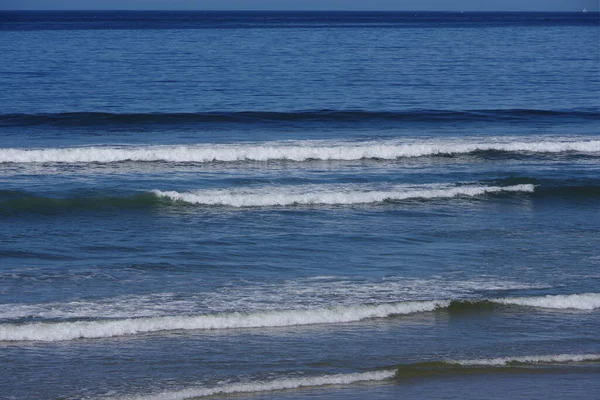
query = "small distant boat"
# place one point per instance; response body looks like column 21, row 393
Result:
column 584, row 10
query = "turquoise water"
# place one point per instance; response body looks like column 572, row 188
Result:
column 299, row 205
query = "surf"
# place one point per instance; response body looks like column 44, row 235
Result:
column 51, row 331
column 296, row 151
column 398, row 374
column 323, row 195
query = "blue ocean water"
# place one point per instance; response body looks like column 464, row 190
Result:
column 286, row 205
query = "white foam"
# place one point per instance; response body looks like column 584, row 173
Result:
column 329, row 195
column 255, row 297
column 345, row 379
column 267, row 386
column 262, row 315
column 296, row 150
column 584, row 301
column 503, row 361
column 58, row 331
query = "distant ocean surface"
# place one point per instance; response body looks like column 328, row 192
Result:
column 292, row 205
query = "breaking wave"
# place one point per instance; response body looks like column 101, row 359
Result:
column 51, row 331
column 252, row 197
column 524, row 360
column 61, row 331
column 585, row 301
column 300, row 293
column 490, row 365
column 309, row 195
column 12, row 202
column 268, row 386
column 293, row 151
column 403, row 371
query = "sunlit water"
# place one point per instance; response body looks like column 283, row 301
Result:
column 297, row 205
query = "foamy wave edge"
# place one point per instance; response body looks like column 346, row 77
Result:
column 584, row 301
column 346, row 379
column 268, row 386
column 541, row 359
column 292, row 151
column 63, row 331
column 59, row 331
column 240, row 199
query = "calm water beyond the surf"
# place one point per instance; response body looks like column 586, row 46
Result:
column 299, row 205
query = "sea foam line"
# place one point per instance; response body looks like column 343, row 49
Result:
column 62, row 331
column 333, row 196
column 346, row 379
column 541, row 359
column 292, row 151
column 59, row 331
column 268, row 386
column 584, row 301
column 299, row 293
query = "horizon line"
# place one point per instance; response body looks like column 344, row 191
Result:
column 302, row 10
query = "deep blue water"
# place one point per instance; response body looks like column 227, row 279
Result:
column 299, row 205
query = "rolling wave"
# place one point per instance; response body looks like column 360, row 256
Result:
column 100, row 119
column 319, row 195
column 300, row 293
column 63, row 331
column 14, row 202
column 23, row 201
column 125, row 327
column 583, row 301
column 400, row 372
column 528, row 360
column 516, row 364
column 586, row 301
column 269, row 386
column 297, row 151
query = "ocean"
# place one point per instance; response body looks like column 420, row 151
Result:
column 299, row 205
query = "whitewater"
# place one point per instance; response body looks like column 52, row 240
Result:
column 61, row 331
column 299, row 205
column 296, row 150
column 435, row 367
column 335, row 195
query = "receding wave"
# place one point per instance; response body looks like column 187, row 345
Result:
column 297, row 151
column 315, row 195
column 401, row 372
column 62, row 331
column 90, row 119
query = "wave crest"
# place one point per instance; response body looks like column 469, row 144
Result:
column 268, row 386
column 61, row 331
column 292, row 151
column 403, row 371
column 334, row 196
column 585, row 301
column 524, row 360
